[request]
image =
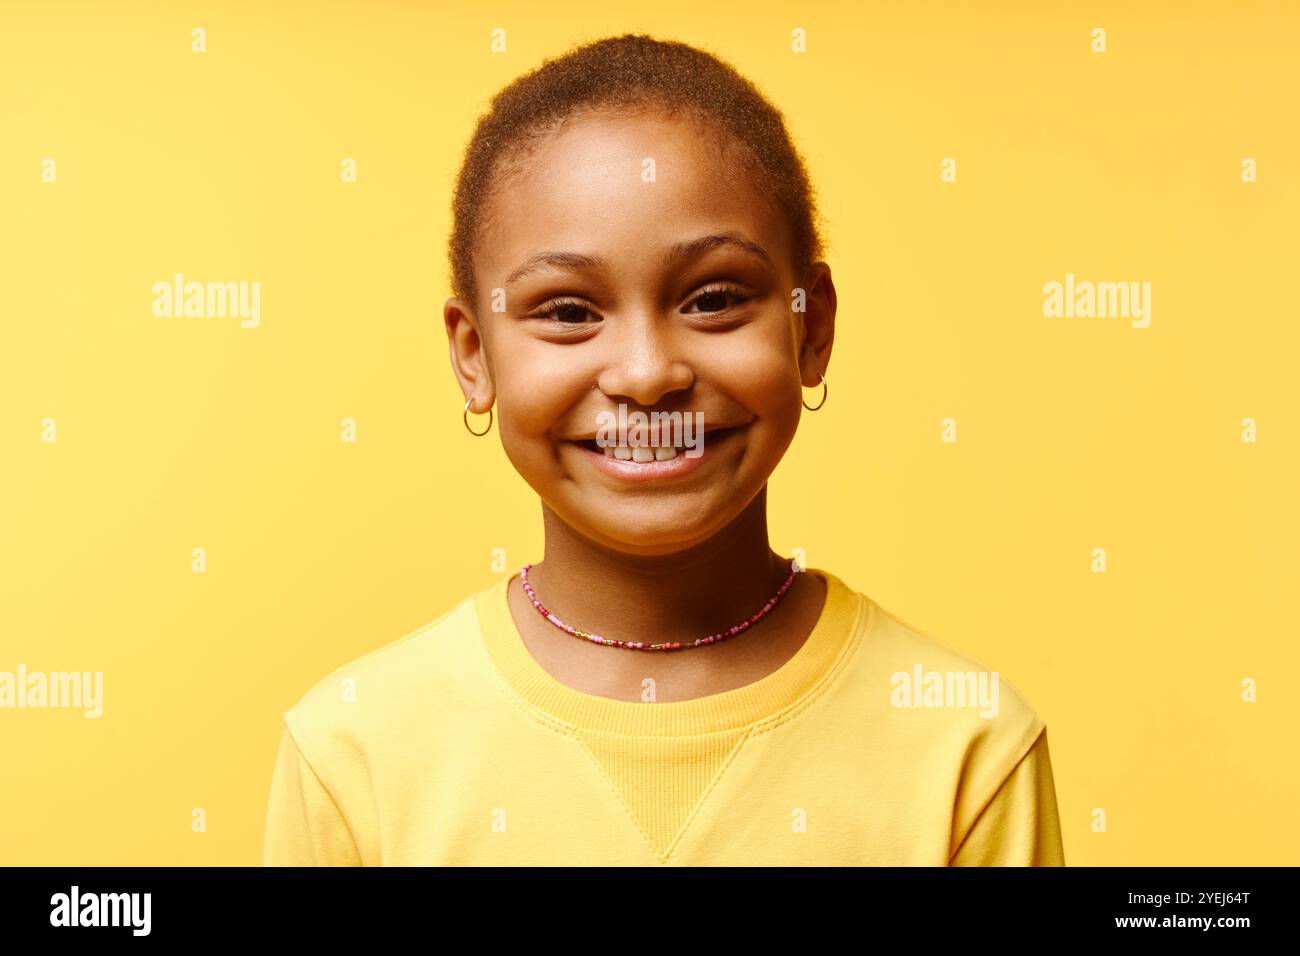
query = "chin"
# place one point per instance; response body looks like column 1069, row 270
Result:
column 668, row 534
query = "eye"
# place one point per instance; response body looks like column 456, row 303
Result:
column 712, row 299
column 565, row 312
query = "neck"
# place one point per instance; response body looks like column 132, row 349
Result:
column 679, row 596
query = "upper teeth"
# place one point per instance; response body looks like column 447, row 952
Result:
column 640, row 453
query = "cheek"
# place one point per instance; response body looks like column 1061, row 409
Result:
column 763, row 377
column 772, row 395
column 778, row 417
column 534, row 391
column 775, row 387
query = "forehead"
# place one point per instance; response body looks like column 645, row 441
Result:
column 623, row 186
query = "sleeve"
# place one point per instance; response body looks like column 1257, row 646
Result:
column 1020, row 826
column 304, row 826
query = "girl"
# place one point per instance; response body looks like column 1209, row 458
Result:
column 635, row 245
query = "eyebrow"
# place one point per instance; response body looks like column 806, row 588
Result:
column 687, row 249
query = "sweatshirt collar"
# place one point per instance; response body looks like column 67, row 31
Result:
column 830, row 643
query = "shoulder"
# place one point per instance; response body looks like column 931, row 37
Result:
column 946, row 704
column 403, row 682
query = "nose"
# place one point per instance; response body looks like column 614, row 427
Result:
column 645, row 364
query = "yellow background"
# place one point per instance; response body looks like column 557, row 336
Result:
column 1072, row 434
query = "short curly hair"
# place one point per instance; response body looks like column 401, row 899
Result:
column 629, row 72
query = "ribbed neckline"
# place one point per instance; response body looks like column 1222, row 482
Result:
column 832, row 638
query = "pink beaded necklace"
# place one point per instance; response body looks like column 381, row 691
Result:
column 642, row 645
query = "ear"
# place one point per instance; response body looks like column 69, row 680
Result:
column 817, row 332
column 468, row 357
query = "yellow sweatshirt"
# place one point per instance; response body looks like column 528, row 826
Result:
column 874, row 744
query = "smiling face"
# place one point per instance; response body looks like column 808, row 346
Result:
column 663, row 293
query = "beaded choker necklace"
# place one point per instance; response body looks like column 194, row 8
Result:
column 642, row 645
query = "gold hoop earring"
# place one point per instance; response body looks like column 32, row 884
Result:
column 826, row 390
column 465, row 417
